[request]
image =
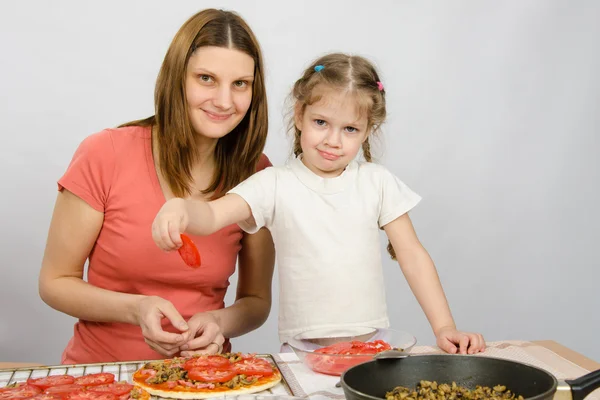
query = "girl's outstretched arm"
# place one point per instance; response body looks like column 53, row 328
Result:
column 421, row 275
column 197, row 217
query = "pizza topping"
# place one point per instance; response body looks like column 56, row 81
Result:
column 254, row 366
column 219, row 372
column 197, row 385
column 163, row 372
column 135, row 393
column 211, row 375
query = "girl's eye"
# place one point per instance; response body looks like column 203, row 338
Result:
column 205, row 78
column 240, row 84
column 320, row 122
column 351, row 129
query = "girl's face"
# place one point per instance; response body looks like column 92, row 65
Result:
column 332, row 131
column 218, row 89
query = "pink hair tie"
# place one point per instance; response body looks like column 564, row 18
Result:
column 380, row 86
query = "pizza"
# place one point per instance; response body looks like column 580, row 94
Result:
column 99, row 386
column 201, row 377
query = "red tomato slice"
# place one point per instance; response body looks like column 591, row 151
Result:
column 100, row 378
column 189, row 252
column 253, row 366
column 21, row 391
column 48, row 381
column 47, row 396
column 116, row 388
column 337, row 348
column 86, row 395
column 64, row 389
column 211, row 375
column 217, row 362
column 333, row 364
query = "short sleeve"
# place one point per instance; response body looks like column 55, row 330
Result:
column 396, row 198
column 90, row 172
column 259, row 192
column 263, row 162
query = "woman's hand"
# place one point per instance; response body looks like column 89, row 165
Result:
column 454, row 341
column 169, row 223
column 151, row 311
column 204, row 335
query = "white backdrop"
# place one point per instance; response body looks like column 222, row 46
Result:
column 493, row 119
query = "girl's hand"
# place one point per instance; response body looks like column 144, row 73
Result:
column 170, row 222
column 204, row 336
column 150, row 312
column 453, row 341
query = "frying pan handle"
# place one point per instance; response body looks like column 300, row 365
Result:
column 584, row 385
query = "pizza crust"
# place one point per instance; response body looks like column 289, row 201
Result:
column 274, row 380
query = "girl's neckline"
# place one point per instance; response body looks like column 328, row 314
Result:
column 318, row 183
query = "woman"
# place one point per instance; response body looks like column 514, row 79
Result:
column 207, row 135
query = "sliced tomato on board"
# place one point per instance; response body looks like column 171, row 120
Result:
column 217, row 362
column 53, row 380
column 253, row 366
column 211, row 375
column 87, row 395
column 189, row 252
column 100, row 378
column 21, row 391
column 116, row 388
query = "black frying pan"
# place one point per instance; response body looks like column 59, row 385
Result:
column 371, row 380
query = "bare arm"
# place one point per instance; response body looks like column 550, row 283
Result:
column 253, row 298
column 421, row 275
column 73, row 231
column 206, row 218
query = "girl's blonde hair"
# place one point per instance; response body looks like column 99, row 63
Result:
column 352, row 74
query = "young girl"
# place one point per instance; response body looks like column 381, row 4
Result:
column 324, row 210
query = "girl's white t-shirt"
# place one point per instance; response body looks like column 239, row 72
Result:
column 327, row 240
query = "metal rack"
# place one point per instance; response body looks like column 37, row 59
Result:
column 123, row 371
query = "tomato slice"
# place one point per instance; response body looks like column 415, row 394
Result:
column 87, row 395
column 189, row 252
column 333, row 364
column 217, row 362
column 355, row 347
column 48, row 381
column 211, row 375
column 47, row 396
column 100, row 378
column 253, row 366
column 64, row 389
column 21, row 391
column 116, row 388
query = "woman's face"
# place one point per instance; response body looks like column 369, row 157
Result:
column 218, row 89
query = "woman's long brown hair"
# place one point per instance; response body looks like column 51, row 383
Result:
column 237, row 153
